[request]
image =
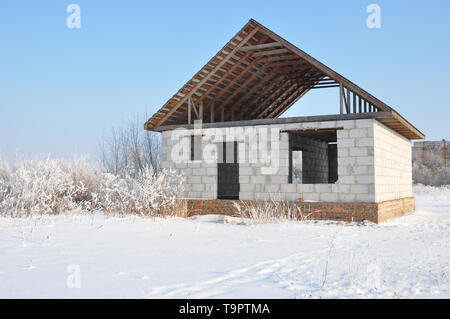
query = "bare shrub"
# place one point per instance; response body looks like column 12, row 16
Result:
column 129, row 149
column 261, row 212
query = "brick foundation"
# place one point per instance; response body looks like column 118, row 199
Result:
column 355, row 211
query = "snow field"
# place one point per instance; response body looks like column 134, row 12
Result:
column 205, row 257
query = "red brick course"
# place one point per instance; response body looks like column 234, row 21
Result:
column 357, row 212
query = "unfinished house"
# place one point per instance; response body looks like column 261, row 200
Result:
column 224, row 132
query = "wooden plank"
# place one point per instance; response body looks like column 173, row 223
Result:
column 189, row 111
column 325, row 86
column 344, row 96
column 271, row 52
column 261, row 46
column 348, row 101
column 194, row 107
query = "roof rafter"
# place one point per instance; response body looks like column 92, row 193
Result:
column 261, row 84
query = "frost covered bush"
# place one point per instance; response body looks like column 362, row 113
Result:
column 87, row 176
column 144, row 193
column 431, row 170
column 5, row 173
column 51, row 186
column 38, row 187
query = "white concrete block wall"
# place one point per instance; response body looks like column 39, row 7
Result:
column 355, row 162
column 200, row 177
column 393, row 164
column 374, row 164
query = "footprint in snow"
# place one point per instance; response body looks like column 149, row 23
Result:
column 29, row 266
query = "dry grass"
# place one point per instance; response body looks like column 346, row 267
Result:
column 262, row 212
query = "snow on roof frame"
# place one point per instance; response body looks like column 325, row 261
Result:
column 259, row 75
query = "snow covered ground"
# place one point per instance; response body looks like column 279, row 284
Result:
column 136, row 257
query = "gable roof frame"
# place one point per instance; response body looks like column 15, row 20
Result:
column 250, row 46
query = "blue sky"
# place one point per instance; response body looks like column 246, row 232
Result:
column 61, row 89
